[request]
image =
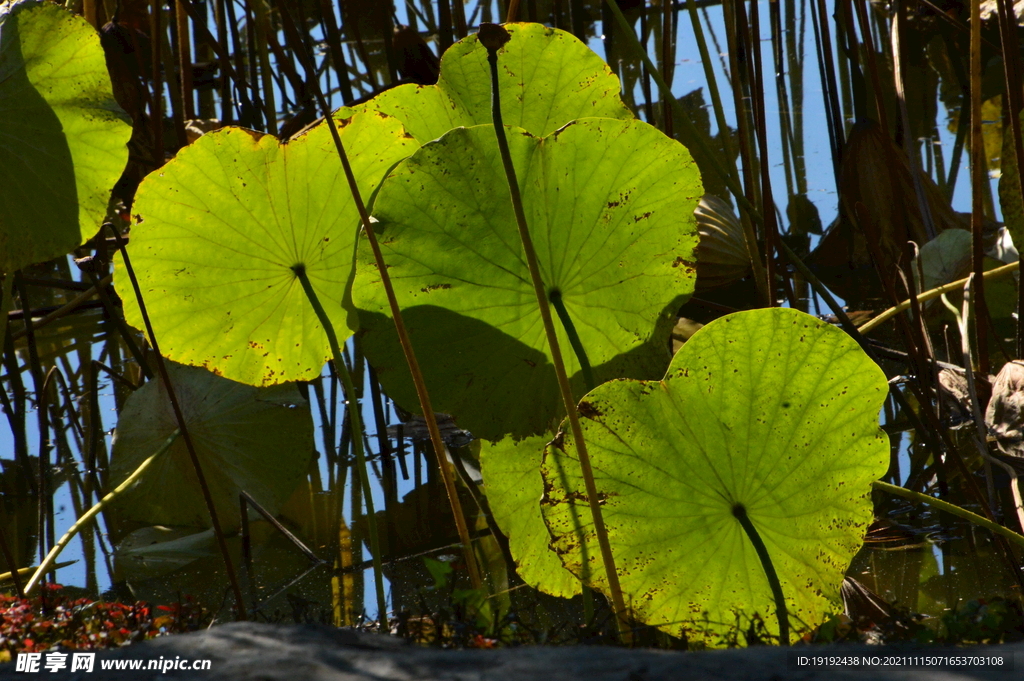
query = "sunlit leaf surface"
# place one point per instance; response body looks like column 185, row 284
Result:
column 547, row 78
column 219, row 228
column 610, row 209
column 514, row 486
column 62, row 135
column 772, row 409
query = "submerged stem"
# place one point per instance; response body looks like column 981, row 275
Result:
column 492, row 37
column 51, row 557
column 769, row 571
column 574, row 339
column 951, row 508
column 357, row 440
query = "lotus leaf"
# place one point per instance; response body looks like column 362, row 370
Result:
column 610, row 207
column 773, row 410
column 259, row 440
column 945, row 258
column 547, row 78
column 62, row 136
column 511, row 472
column 219, row 228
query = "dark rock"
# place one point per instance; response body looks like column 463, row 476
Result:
column 247, row 651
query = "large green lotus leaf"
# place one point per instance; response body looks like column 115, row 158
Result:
column 219, row 228
column 610, row 209
column 514, row 486
column 259, row 440
column 547, row 79
column 62, row 136
column 771, row 409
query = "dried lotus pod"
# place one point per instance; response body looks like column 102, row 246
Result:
column 1005, row 414
column 722, row 252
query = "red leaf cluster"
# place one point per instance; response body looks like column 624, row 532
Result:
column 53, row 618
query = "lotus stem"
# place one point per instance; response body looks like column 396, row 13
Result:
column 769, row 571
column 749, row 237
column 447, row 475
column 16, row 575
column 574, row 339
column 910, row 494
column 880, row 319
column 492, row 37
column 357, row 441
column 51, row 557
column 13, row 575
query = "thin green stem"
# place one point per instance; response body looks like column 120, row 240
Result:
column 979, row 183
column 769, row 571
column 492, row 37
column 880, row 319
column 951, row 508
column 574, row 339
column 357, row 440
column 51, row 557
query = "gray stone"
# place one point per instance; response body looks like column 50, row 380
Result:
column 247, row 651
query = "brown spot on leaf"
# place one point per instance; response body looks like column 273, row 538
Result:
column 434, row 287
column 583, row 498
column 688, row 264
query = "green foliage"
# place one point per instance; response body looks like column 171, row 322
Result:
column 548, row 78
column 259, row 440
column 62, row 135
column 219, row 228
column 771, row 409
column 514, row 486
column 610, row 208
